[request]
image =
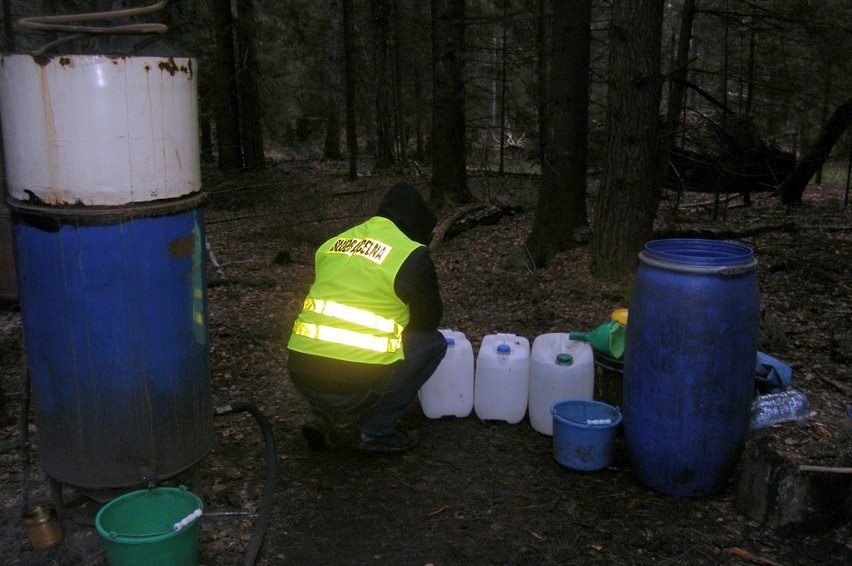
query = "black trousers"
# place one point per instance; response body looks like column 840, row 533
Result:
column 375, row 396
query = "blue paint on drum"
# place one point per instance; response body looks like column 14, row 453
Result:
column 689, row 363
column 115, row 324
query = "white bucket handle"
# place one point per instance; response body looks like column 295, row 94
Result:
column 187, row 520
column 183, row 523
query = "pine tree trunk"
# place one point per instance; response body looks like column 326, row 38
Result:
column 678, row 83
column 331, row 146
column 541, row 74
column 399, row 116
column 419, row 102
column 562, row 194
column 794, row 185
column 225, row 88
column 384, row 135
column 630, row 190
column 349, row 79
column 206, row 138
column 250, row 110
column 449, row 174
column 8, row 27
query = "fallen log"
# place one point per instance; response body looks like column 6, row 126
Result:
column 725, row 233
column 468, row 217
column 443, row 227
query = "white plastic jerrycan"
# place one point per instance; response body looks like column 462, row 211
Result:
column 449, row 392
column 560, row 369
column 502, row 378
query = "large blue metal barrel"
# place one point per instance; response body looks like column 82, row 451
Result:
column 108, row 233
column 689, row 363
column 115, row 332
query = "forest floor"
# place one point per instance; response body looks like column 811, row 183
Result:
column 472, row 492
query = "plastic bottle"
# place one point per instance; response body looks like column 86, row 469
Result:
column 789, row 405
column 502, row 378
column 560, row 368
column 449, row 392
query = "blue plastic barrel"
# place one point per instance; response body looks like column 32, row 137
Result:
column 116, row 340
column 689, row 363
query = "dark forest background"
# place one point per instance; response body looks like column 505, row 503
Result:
column 638, row 98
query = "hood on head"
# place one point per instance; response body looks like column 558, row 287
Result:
column 404, row 206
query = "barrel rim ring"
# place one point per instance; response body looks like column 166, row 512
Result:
column 101, row 212
column 700, row 269
column 699, row 255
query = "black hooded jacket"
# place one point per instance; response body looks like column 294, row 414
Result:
column 416, row 283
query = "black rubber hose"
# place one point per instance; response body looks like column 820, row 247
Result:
column 269, row 485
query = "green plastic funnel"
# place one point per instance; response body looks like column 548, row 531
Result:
column 608, row 338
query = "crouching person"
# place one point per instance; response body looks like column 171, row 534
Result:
column 366, row 339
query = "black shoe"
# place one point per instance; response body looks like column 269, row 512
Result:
column 393, row 443
column 319, row 433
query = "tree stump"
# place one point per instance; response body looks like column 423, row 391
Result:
column 789, row 496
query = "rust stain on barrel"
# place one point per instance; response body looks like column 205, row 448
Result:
column 171, row 67
column 182, row 247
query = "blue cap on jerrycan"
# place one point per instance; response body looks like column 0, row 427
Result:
column 504, row 349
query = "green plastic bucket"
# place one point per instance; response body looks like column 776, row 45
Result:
column 151, row 526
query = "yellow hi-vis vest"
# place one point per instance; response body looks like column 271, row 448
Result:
column 351, row 312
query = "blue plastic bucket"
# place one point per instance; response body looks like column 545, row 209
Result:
column 689, row 363
column 151, row 526
column 584, row 433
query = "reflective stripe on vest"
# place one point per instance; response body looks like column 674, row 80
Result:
column 346, row 337
column 355, row 315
